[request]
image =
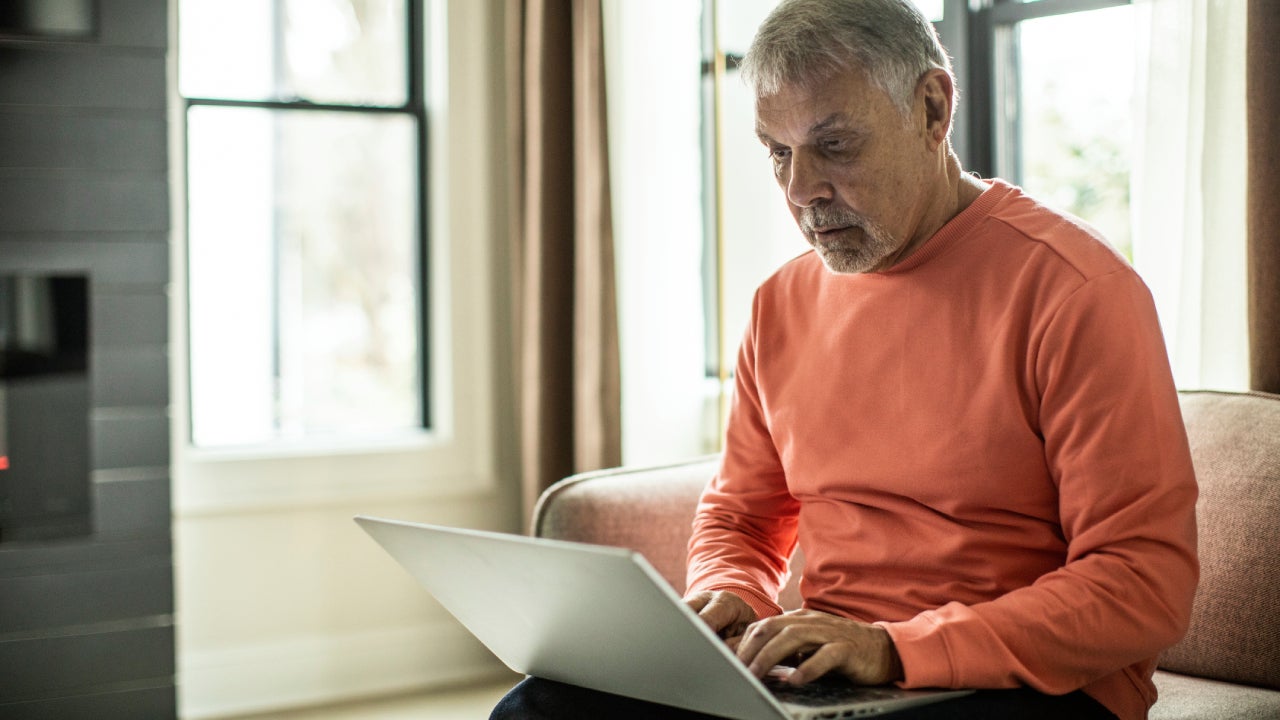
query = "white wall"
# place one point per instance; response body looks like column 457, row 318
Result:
column 281, row 599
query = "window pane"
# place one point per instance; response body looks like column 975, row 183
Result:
column 303, row 290
column 932, row 9
column 1074, row 125
column 738, row 20
column 325, row 51
column 759, row 232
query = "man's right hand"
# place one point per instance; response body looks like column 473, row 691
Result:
column 726, row 613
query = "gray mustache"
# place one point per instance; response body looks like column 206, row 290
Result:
column 813, row 217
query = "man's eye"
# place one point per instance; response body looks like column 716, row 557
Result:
column 833, row 145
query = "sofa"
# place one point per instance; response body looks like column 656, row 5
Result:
column 1227, row 667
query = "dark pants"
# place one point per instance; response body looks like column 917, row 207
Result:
column 537, row 699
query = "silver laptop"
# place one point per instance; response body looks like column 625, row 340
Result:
column 603, row 618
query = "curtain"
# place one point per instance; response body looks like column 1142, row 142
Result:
column 1188, row 184
column 1263, row 49
column 566, row 330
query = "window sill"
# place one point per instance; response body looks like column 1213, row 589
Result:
column 311, row 474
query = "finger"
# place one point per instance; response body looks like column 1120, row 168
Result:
column 785, row 641
column 727, row 614
column 699, row 601
column 756, row 636
column 822, row 661
column 717, row 614
column 759, row 634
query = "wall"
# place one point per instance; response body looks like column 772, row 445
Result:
column 87, row 624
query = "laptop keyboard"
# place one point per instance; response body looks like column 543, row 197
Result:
column 824, row 691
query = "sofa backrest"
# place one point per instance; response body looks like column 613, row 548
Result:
column 1235, row 623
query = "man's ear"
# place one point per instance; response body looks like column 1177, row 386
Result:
column 938, row 94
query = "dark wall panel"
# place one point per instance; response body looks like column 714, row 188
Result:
column 132, row 507
column 51, row 201
column 154, row 699
column 124, row 141
column 122, row 318
column 125, row 376
column 82, row 77
column 130, row 438
column 59, row 666
column 107, row 595
column 117, row 258
column 97, row 551
column 86, row 622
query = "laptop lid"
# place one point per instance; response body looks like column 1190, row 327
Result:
column 599, row 617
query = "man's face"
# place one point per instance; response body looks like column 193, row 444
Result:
column 854, row 170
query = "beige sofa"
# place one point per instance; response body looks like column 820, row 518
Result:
column 1226, row 668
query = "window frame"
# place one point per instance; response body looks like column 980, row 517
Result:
column 459, row 457
column 981, row 43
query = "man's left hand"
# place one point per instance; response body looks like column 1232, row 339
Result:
column 863, row 653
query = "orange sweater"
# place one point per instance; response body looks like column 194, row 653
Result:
column 981, row 449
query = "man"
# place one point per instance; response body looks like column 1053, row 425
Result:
column 958, row 405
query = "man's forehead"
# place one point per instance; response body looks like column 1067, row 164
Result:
column 801, row 113
column 842, row 103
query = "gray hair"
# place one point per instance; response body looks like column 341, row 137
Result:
column 805, row 42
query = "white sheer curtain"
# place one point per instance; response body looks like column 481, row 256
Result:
column 1189, row 184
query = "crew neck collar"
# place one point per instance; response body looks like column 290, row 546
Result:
column 956, row 227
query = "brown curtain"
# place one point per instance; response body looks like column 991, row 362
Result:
column 566, row 339
column 1263, row 83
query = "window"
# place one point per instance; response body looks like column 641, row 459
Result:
column 305, row 159
column 1061, row 117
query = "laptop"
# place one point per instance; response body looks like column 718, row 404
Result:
column 603, row 618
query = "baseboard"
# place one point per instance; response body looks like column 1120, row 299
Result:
column 329, row 668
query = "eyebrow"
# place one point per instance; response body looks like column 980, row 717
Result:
column 834, row 121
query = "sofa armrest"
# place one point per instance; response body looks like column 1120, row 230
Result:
column 647, row 509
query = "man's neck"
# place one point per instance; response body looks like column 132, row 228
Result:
column 957, row 191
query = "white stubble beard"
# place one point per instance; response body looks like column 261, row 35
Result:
column 859, row 256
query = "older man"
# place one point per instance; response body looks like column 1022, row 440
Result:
column 959, row 405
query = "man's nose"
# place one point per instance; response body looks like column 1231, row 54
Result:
column 807, row 181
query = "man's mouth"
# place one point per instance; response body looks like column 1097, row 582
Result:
column 831, row 233
column 831, row 230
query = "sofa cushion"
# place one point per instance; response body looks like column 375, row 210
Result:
column 1235, row 624
column 1190, row 698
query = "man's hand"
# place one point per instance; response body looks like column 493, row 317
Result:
column 726, row 613
column 863, row 653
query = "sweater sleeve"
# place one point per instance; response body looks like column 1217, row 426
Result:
column 744, row 531
column 1117, row 449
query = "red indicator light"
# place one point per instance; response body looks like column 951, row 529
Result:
column 4, row 462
